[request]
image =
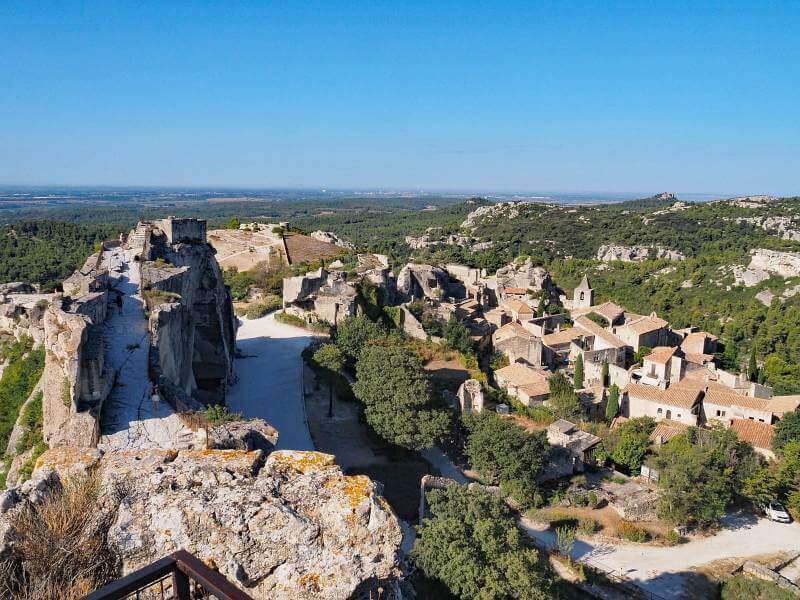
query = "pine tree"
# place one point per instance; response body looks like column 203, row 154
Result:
column 578, row 377
column 612, row 406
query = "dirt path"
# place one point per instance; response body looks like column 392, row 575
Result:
column 129, row 418
column 673, row 572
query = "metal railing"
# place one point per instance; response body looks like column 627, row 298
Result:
column 179, row 576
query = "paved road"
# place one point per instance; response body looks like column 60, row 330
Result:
column 270, row 378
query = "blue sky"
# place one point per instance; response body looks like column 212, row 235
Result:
column 505, row 96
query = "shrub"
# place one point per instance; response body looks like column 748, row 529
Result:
column 742, row 587
column 631, row 532
column 218, row 414
column 587, row 526
column 565, row 539
column 256, row 310
column 60, row 548
column 592, row 500
column 578, row 500
column 672, row 538
column 66, row 392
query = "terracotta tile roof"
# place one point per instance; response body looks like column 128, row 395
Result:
column 536, row 389
column 608, row 310
column 597, row 331
column 695, row 342
column 661, row 354
column 731, row 398
column 515, row 290
column 510, row 330
column 698, row 358
column 754, row 432
column 783, row 404
column 565, row 336
column 646, row 325
column 520, row 375
column 679, row 397
column 517, row 306
column 666, row 430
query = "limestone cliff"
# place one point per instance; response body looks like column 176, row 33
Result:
column 192, row 324
column 291, row 526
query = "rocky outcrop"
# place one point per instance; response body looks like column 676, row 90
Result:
column 763, row 264
column 331, row 238
column 527, row 276
column 320, row 295
column 75, row 381
column 784, row 264
column 192, row 324
column 471, row 396
column 612, row 252
column 491, row 212
column 422, row 281
column 288, row 527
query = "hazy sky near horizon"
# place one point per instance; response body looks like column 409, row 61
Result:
column 507, row 96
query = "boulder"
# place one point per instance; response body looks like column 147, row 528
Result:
column 291, row 527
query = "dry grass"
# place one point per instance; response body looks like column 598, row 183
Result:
column 59, row 548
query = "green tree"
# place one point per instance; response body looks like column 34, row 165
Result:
column 761, row 486
column 699, row 473
column 234, row 224
column 505, row 454
column 604, row 373
column 563, row 400
column 457, row 336
column 612, row 406
column 331, row 358
column 353, row 333
column 641, row 353
column 627, row 444
column 578, row 377
column 787, row 429
column 472, row 544
column 398, row 405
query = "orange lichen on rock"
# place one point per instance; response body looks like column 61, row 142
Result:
column 67, row 460
column 356, row 488
column 311, row 580
column 302, row 461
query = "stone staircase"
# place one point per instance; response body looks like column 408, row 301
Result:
column 137, row 240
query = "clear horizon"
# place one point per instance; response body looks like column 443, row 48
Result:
column 445, row 98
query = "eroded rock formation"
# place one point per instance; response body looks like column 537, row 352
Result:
column 288, row 527
column 192, row 325
column 422, row 281
column 612, row 252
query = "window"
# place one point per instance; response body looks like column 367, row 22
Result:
column 669, row 414
column 581, row 296
column 659, row 411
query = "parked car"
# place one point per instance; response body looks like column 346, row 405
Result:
column 776, row 512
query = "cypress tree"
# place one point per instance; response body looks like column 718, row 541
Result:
column 612, row 406
column 578, row 378
column 752, row 369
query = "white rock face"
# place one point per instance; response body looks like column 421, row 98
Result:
column 294, row 528
column 331, row 238
column 504, row 210
column 611, row 252
column 785, row 264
